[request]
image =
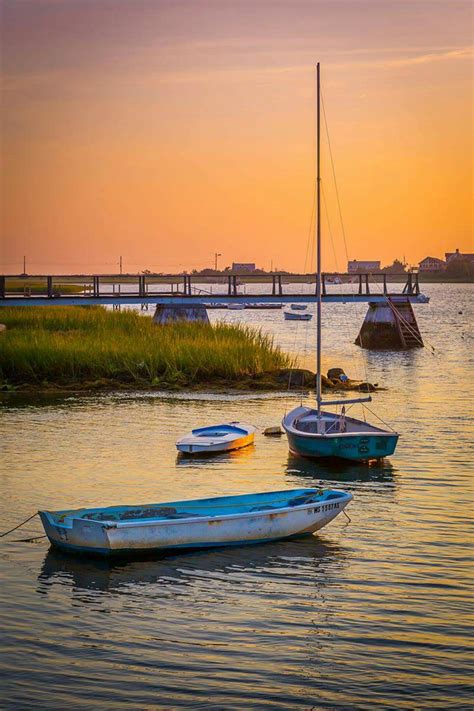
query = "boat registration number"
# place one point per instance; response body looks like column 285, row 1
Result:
column 326, row 507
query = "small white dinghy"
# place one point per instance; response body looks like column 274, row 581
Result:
column 198, row 523
column 217, row 438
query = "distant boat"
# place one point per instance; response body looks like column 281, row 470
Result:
column 291, row 316
column 217, row 438
column 336, row 279
column 236, row 307
column 299, row 307
column 195, row 523
column 316, row 432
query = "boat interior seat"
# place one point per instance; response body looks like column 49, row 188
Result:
column 310, row 425
column 305, row 499
column 167, row 512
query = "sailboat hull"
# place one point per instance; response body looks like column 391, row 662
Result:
column 353, row 440
column 353, row 447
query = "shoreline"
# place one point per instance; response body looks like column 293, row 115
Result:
column 71, row 349
column 74, row 348
column 277, row 381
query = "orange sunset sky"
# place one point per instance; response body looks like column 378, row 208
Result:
column 167, row 130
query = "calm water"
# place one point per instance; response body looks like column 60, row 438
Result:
column 372, row 613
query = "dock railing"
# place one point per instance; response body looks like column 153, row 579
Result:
column 143, row 286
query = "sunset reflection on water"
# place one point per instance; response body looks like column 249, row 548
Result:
column 373, row 611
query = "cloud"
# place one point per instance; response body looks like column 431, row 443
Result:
column 461, row 53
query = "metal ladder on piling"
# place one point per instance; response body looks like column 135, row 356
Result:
column 408, row 330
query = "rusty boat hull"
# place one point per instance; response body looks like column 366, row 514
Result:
column 196, row 523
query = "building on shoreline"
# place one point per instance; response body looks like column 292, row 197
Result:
column 358, row 266
column 431, row 264
column 452, row 261
column 243, row 267
column 451, row 256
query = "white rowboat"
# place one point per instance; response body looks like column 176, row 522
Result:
column 217, row 438
column 197, row 523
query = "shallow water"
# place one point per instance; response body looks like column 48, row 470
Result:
column 371, row 613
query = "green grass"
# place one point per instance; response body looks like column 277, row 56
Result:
column 19, row 286
column 76, row 346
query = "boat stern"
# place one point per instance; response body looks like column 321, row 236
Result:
column 70, row 533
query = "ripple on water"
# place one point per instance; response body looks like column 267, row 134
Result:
column 370, row 614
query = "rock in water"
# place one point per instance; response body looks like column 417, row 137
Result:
column 335, row 373
column 273, row 431
column 329, row 384
column 367, row 388
column 297, row 378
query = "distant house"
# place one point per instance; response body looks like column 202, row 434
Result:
column 431, row 264
column 243, row 267
column 356, row 266
column 458, row 255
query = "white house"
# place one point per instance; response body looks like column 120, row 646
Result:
column 243, row 267
column 459, row 255
column 357, row 266
column 431, row 264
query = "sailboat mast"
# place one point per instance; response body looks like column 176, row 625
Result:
column 318, row 240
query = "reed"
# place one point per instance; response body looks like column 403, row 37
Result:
column 36, row 288
column 67, row 346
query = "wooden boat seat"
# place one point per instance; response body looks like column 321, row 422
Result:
column 167, row 512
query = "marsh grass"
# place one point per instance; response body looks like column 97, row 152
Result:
column 20, row 286
column 68, row 346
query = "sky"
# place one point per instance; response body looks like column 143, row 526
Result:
column 168, row 130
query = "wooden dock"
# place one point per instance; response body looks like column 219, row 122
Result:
column 254, row 291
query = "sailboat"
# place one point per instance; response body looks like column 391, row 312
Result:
column 317, row 432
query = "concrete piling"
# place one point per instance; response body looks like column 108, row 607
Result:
column 390, row 325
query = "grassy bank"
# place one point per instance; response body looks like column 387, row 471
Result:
column 37, row 288
column 77, row 348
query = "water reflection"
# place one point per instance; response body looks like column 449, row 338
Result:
column 313, row 471
column 378, row 622
column 206, row 460
column 311, row 554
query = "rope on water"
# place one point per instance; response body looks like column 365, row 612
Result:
column 348, row 517
column 19, row 525
column 28, row 540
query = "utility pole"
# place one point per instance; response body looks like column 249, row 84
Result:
column 24, row 265
column 216, row 254
column 120, row 264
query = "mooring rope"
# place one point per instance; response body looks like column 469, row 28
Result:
column 27, row 540
column 19, row 525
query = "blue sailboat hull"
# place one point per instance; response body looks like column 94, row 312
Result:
column 353, row 447
column 332, row 435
